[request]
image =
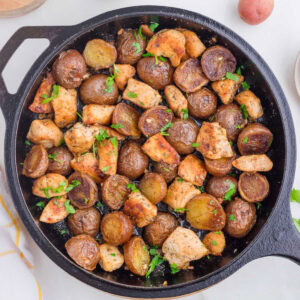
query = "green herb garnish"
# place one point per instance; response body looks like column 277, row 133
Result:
column 295, row 196
column 215, row 212
column 244, row 111
column 21, row 164
column 245, row 86
column 156, row 261
column 181, row 209
column 140, row 33
column 72, row 185
column 168, row 110
column 137, row 47
column 116, row 70
column 132, row 187
column 258, row 205
column 153, row 26
column 217, row 232
column 230, row 192
column 132, row 95
column 245, row 140
column 232, row 218
column 238, row 126
column 69, row 207
column 214, row 243
column 239, row 71
column 174, row 268
column 99, row 204
column 109, row 83
column 161, row 58
column 113, row 254
column 27, row 143
column 231, row 76
column 86, row 200
column 63, row 232
column 195, row 145
column 53, row 156
column 105, row 169
column 79, row 115
column 164, row 128
column 117, row 126
column 185, row 113
column 61, row 187
column 46, row 191
column 101, row 136
column 179, row 179
column 40, row 204
column 55, row 92
column 200, row 188
column 166, row 169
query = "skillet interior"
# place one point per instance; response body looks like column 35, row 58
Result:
column 272, row 119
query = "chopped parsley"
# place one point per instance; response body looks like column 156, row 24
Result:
column 117, row 126
column 239, row 71
column 156, row 261
column 72, row 185
column 116, row 70
column 148, row 54
column 181, row 209
column 27, row 143
column 40, row 204
column 55, row 202
column 238, row 126
column 21, row 164
column 132, row 95
column 46, row 191
column 61, row 187
column 166, row 169
column 231, row 76
column 215, row 212
column 53, row 156
column 244, row 111
column 297, row 223
column 132, row 187
column 61, row 142
column 63, row 232
column 101, row 136
column 217, row 232
column 140, row 33
column 79, row 115
column 137, row 47
column 230, row 192
column 152, row 251
column 113, row 254
column 195, row 144
column 86, row 200
column 164, row 128
column 109, row 83
column 231, row 143
column 69, row 207
column 245, row 86
column 114, row 142
column 200, row 188
column 214, row 243
column 161, row 58
column 271, row 141
column 295, row 196
column 105, row 169
column 232, row 217
column 179, row 179
column 94, row 149
column 153, row 26
column 258, row 205
column 185, row 113
column 55, row 92
column 174, row 268
column 245, row 140
column 211, row 118
column 168, row 110
column 99, row 204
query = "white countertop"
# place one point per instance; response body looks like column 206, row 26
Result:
column 278, row 42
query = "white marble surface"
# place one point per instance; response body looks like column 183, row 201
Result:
column 277, row 40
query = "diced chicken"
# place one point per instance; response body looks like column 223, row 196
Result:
column 176, row 100
column 108, row 156
column 192, row 169
column 227, row 88
column 180, row 192
column 65, row 107
column 251, row 102
column 253, row 163
column 158, row 149
column 146, row 30
column 54, row 211
column 182, row 247
column 213, row 142
column 141, row 94
column 140, row 209
column 111, row 258
column 123, row 73
column 45, row 132
column 97, row 114
column 111, row 132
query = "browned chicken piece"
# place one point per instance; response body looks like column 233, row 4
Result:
column 158, row 149
column 146, row 30
column 55, row 211
column 213, row 142
column 253, row 163
column 179, row 193
column 140, row 209
column 45, row 132
column 108, row 156
column 252, row 103
column 50, row 185
column 182, row 247
column 65, row 107
column 141, row 94
column 45, row 89
column 227, row 88
column 111, row 132
column 168, row 43
column 176, row 100
column 123, row 73
column 192, row 169
column 97, row 114
column 215, row 242
column 111, row 258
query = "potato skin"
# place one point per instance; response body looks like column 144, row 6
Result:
column 116, row 228
column 219, row 167
column 159, row 230
column 84, row 221
column 62, row 162
column 215, row 242
column 169, row 172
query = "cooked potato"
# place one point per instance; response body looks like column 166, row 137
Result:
column 179, row 193
column 108, row 156
column 123, row 73
column 204, row 212
column 136, row 256
column 111, row 258
column 44, row 89
column 153, row 186
column 253, row 163
column 141, row 94
column 140, row 209
column 97, row 114
column 54, row 211
column 251, row 102
column 212, row 140
column 168, row 43
column 182, row 247
column 60, row 160
column 99, row 54
column 176, row 100
column 44, row 132
column 36, row 162
column 84, row 250
column 116, row 228
column 253, row 187
column 50, row 185
column 219, row 167
column 158, row 149
column 227, row 88
column 111, row 132
column 158, row 231
column 169, row 172
column 215, row 242
column 192, row 169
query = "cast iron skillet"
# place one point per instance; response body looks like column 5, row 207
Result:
column 274, row 232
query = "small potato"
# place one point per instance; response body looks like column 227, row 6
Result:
column 140, row 209
column 116, row 228
column 136, row 256
column 84, row 250
column 158, row 149
column 123, row 73
column 179, row 193
column 141, row 94
column 153, row 186
column 114, row 191
column 219, row 167
column 45, row 132
column 111, row 258
column 251, row 102
column 168, row 43
column 99, row 54
column 189, row 77
column 253, row 187
column 169, row 172
column 54, row 211
column 253, row 163
column 127, row 118
column 215, row 242
column 69, row 68
column 192, row 169
column 36, row 162
column 97, row 114
column 60, row 160
column 204, row 212
column 108, row 156
column 85, row 221
column 158, row 231
column 176, row 100
column 255, row 12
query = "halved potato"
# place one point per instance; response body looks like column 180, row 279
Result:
column 253, row 163
column 54, row 211
column 108, row 156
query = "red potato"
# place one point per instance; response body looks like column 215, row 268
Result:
column 255, row 12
